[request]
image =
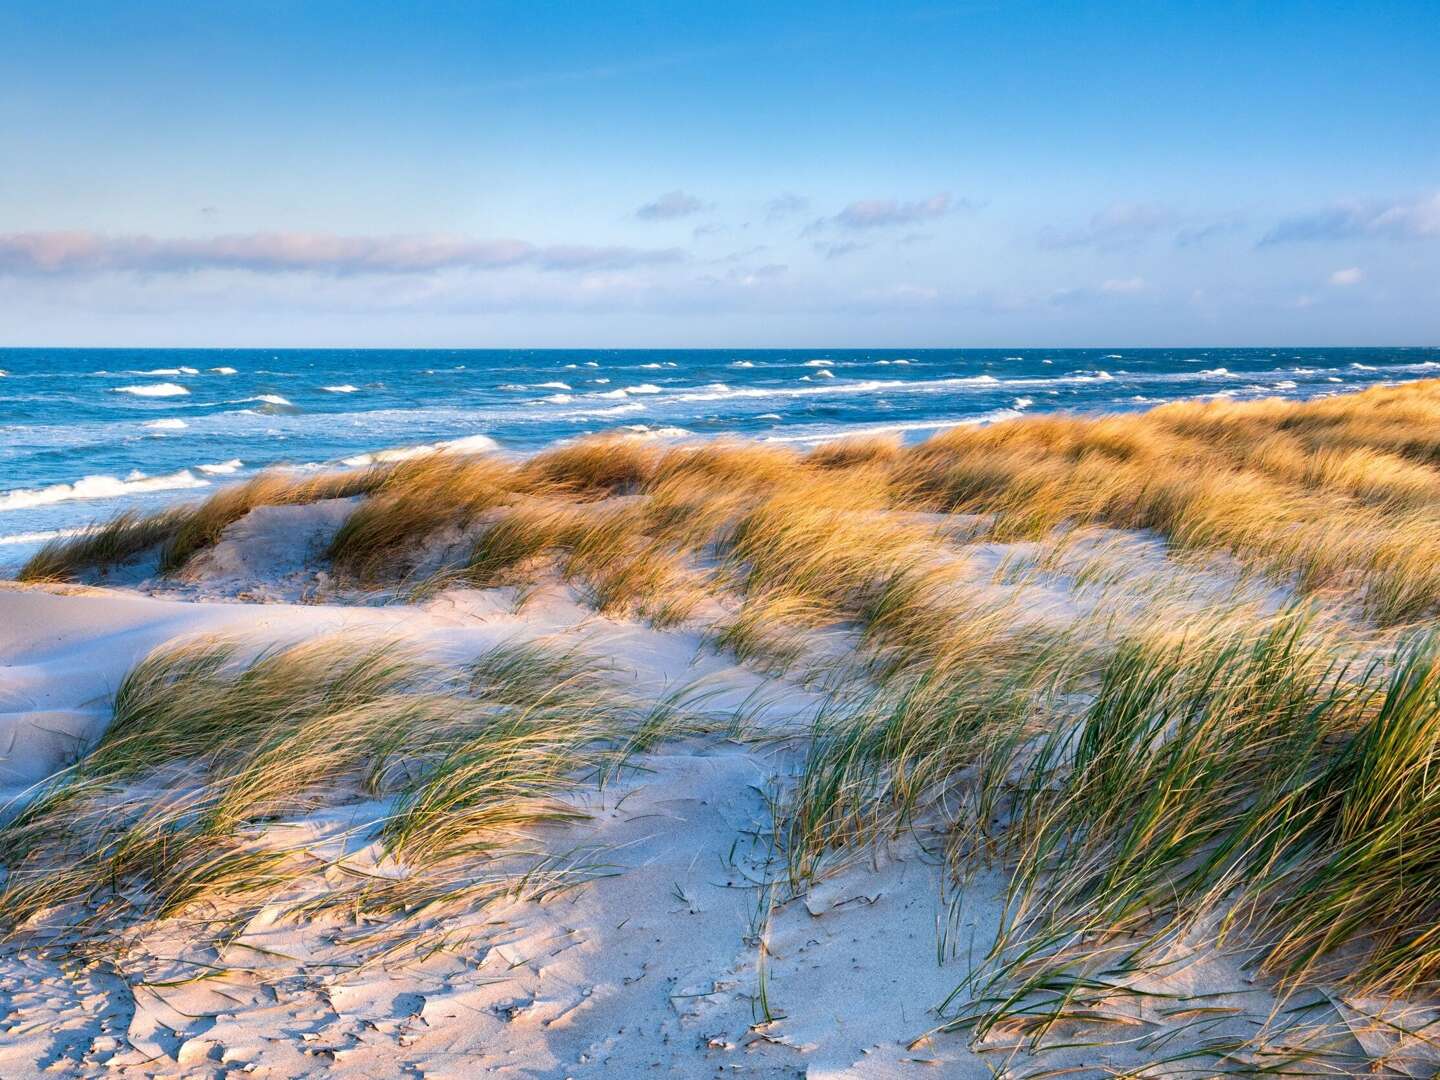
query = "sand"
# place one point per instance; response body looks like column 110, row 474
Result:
column 681, row 953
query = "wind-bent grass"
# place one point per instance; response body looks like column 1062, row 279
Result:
column 103, row 547
column 209, row 746
column 1214, row 749
column 1339, row 495
column 180, row 532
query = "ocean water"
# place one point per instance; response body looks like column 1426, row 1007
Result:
column 87, row 432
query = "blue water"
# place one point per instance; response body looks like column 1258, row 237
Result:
column 86, row 432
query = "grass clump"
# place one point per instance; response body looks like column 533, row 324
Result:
column 211, row 745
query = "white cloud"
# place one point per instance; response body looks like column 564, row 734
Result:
column 1351, row 275
column 42, row 253
column 884, row 213
column 1123, row 285
column 673, row 204
column 1402, row 219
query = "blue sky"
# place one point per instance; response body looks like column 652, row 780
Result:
column 652, row 174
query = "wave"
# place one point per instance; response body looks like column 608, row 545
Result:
column 164, row 389
column 994, row 416
column 222, row 371
column 343, row 388
column 40, row 537
column 645, row 431
column 742, row 363
column 468, row 444
column 222, row 468
column 167, row 371
column 819, row 363
column 171, row 424
column 862, row 387
column 98, row 487
column 270, row 399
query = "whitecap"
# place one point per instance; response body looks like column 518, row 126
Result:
column 222, row 371
column 654, row 367
column 1024, row 402
column 1363, row 367
column 742, row 363
column 819, row 363
column 548, row 386
column 164, row 389
column 1217, row 371
column 885, row 429
column 222, row 468
column 558, row 399
column 270, row 399
column 40, row 537
column 171, row 424
column 645, row 431
column 467, row 444
column 343, row 388
column 97, row 487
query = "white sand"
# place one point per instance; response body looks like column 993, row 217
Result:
column 651, row 969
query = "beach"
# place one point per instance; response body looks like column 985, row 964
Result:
column 1074, row 742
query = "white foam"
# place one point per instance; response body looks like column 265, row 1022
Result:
column 40, row 537
column 164, row 389
column 863, row 387
column 1285, row 384
column 467, row 444
column 887, row 429
column 98, row 487
column 1218, row 371
column 270, row 399
column 223, row 468
column 1363, row 367
column 651, row 367
column 819, row 363
column 560, row 399
column 343, row 388
column 223, row 370
column 546, row 386
column 171, row 424
column 645, row 431
column 742, row 363
column 1024, row 402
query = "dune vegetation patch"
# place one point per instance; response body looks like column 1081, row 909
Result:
column 1172, row 674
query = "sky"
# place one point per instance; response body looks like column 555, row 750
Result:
column 669, row 174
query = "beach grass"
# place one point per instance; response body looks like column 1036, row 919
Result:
column 1173, row 671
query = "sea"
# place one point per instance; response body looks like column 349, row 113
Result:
column 85, row 433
